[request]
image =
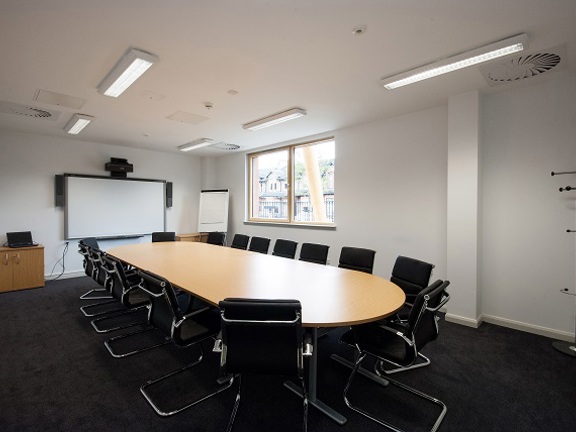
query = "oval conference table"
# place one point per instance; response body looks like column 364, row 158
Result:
column 330, row 296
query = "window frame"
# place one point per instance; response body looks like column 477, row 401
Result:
column 290, row 183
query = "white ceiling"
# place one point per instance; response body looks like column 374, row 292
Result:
column 276, row 54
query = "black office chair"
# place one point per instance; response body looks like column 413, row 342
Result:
column 240, row 241
column 84, row 248
column 216, row 238
column 163, row 236
column 314, row 252
column 102, row 278
column 184, row 330
column 262, row 337
column 131, row 299
column 166, row 321
column 285, row 248
column 354, row 258
column 259, row 244
column 399, row 344
column 412, row 275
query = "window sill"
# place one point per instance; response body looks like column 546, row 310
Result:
column 293, row 225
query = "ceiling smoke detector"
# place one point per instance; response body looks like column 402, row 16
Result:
column 524, row 66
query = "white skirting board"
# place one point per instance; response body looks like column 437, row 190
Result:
column 66, row 275
column 517, row 325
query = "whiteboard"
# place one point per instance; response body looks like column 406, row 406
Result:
column 213, row 211
column 108, row 207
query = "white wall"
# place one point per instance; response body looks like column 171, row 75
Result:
column 390, row 192
column 29, row 162
column 391, row 195
column 527, row 255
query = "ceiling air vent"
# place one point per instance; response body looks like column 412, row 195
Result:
column 226, row 146
column 523, row 66
column 27, row 111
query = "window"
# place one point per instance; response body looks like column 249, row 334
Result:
column 293, row 184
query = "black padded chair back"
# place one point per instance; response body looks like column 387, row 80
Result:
column 354, row 258
column 261, row 336
column 164, row 311
column 216, row 238
column 259, row 244
column 422, row 319
column 285, row 248
column 411, row 275
column 87, row 262
column 98, row 273
column 240, row 241
column 90, row 242
column 163, row 236
column 116, row 280
column 314, row 252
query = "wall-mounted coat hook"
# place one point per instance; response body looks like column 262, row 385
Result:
column 570, row 231
column 562, row 172
column 567, row 188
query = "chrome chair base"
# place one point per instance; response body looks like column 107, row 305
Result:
column 110, row 342
column 146, row 390
column 88, row 296
column 384, row 423
column 97, row 323
column 86, row 309
column 380, row 370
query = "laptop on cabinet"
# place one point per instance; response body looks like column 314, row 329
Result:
column 20, row 239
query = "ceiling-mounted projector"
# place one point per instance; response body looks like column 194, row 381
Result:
column 118, row 167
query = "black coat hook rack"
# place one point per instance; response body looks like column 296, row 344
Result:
column 567, row 189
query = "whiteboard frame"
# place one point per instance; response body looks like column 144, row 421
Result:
column 97, row 209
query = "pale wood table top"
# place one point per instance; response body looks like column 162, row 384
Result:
column 330, row 296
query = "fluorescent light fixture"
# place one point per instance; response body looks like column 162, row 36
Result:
column 128, row 69
column 196, row 144
column 77, row 123
column 459, row 61
column 275, row 119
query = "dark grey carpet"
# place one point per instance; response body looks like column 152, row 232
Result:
column 56, row 375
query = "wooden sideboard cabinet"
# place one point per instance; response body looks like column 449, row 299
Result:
column 194, row 237
column 21, row 268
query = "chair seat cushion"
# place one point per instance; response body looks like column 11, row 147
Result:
column 137, row 297
column 376, row 339
column 198, row 327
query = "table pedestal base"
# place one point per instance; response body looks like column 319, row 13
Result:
column 334, row 415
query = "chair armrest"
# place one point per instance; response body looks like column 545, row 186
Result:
column 218, row 343
column 190, row 315
column 445, row 299
column 408, row 338
column 308, row 347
